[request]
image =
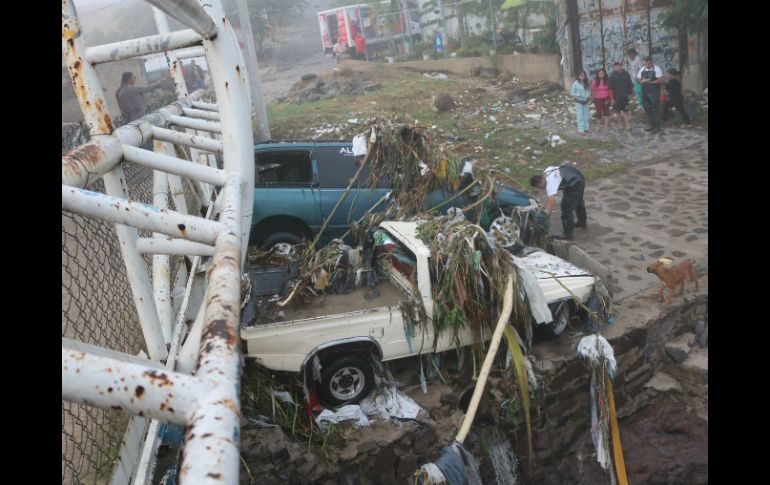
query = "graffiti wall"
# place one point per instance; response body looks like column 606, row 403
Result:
column 608, row 28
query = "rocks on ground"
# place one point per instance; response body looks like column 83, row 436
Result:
column 442, row 102
column 342, row 82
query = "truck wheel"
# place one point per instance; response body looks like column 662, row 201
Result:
column 281, row 237
column 346, row 380
column 561, row 318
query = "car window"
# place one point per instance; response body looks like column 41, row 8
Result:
column 337, row 165
column 395, row 253
column 284, row 169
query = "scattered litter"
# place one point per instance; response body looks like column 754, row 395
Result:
column 436, row 75
column 556, row 140
column 390, row 403
column 359, row 145
column 282, row 396
column 595, row 348
column 353, row 120
column 533, row 116
column 261, row 422
column 345, row 413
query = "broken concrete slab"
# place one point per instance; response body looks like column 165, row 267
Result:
column 679, row 348
column 698, row 363
column 663, row 382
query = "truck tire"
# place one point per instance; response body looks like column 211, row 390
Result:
column 345, row 380
column 561, row 318
column 281, row 237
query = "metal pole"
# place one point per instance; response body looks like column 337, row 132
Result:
column 153, row 44
column 129, row 386
column 198, row 124
column 492, row 22
column 443, row 25
column 166, row 163
column 257, row 101
column 201, row 113
column 408, row 26
column 191, row 14
column 188, row 139
column 171, row 246
column 161, row 263
column 174, row 66
column 82, row 73
column 139, row 216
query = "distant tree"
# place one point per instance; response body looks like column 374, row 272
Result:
column 691, row 16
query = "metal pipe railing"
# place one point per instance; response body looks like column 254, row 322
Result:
column 209, row 402
column 170, row 164
column 153, row 44
column 187, row 139
column 191, row 14
column 141, row 216
column 200, row 113
column 173, row 247
column 203, row 125
column 129, row 386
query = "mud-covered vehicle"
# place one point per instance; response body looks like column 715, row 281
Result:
column 336, row 338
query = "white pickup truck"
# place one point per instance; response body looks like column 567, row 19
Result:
column 345, row 331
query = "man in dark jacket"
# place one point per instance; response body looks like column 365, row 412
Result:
column 621, row 87
column 131, row 97
column 572, row 182
column 675, row 98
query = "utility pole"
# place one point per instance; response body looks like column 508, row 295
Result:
column 443, row 23
column 492, row 22
column 408, row 27
column 257, row 102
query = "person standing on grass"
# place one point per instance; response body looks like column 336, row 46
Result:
column 581, row 92
column 651, row 79
column 621, row 88
column 601, row 92
column 634, row 63
column 338, row 50
column 360, row 46
column 675, row 97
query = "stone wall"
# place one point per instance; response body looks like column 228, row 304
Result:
column 527, row 67
column 563, row 447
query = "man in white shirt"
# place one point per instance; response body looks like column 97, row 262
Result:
column 651, row 78
column 572, row 182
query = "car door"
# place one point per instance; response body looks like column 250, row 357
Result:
column 285, row 182
column 336, row 167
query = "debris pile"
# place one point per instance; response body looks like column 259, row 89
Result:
column 343, row 82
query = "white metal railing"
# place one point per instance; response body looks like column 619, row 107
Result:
column 163, row 387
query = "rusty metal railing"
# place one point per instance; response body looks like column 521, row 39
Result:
column 193, row 382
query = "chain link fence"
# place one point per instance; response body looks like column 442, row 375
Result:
column 98, row 308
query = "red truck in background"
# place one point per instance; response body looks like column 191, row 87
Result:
column 343, row 23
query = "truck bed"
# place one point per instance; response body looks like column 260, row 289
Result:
column 333, row 304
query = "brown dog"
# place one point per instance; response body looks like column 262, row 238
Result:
column 673, row 276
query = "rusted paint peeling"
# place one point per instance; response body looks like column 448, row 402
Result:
column 159, row 379
column 220, row 329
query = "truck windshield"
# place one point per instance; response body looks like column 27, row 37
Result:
column 389, row 251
